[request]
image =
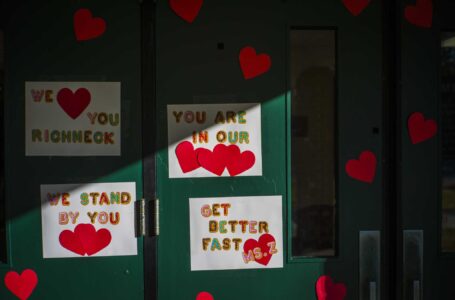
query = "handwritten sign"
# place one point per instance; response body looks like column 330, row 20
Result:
column 95, row 219
column 72, row 118
column 211, row 140
column 236, row 233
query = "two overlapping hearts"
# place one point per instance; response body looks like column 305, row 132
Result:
column 222, row 157
column 85, row 239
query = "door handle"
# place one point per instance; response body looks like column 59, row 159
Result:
column 369, row 264
column 416, row 290
column 412, row 264
column 373, row 291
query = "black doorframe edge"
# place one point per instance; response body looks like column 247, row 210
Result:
column 148, row 92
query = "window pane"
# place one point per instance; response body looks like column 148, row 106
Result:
column 312, row 69
column 448, row 140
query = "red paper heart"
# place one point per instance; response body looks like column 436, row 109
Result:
column 420, row 129
column 262, row 243
column 204, row 296
column 85, row 239
column 239, row 162
column 421, row 14
column 21, row 286
column 187, row 156
column 87, row 27
column 186, row 9
column 73, row 104
column 356, row 6
column 215, row 161
column 327, row 290
column 252, row 64
column 363, row 169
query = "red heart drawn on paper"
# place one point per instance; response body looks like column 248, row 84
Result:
column 239, row 162
column 187, row 156
column 86, row 27
column 204, row 296
column 262, row 249
column 252, row 64
column 73, row 103
column 327, row 290
column 21, row 286
column 421, row 14
column 215, row 161
column 420, row 129
column 85, row 239
column 363, row 169
column 355, row 7
column 186, row 9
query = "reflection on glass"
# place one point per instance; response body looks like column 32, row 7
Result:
column 2, row 197
column 312, row 60
column 448, row 140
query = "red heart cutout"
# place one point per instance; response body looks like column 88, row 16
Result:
column 21, row 286
column 215, row 161
column 327, row 290
column 73, row 104
column 186, row 9
column 356, row 6
column 239, row 162
column 262, row 243
column 253, row 65
column 204, row 296
column 420, row 129
column 187, row 156
column 363, row 169
column 85, row 26
column 85, row 239
column 421, row 14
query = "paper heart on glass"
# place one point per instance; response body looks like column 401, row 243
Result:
column 187, row 156
column 355, row 7
column 204, row 296
column 420, row 129
column 420, row 14
column 364, row 168
column 73, row 104
column 86, row 27
column 22, row 285
column 85, row 239
column 263, row 243
column 239, row 162
column 188, row 10
column 253, row 64
column 327, row 290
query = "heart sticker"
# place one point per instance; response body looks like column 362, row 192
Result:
column 73, row 103
column 420, row 129
column 262, row 249
column 363, row 169
column 239, row 162
column 327, row 290
column 421, row 14
column 252, row 64
column 85, row 239
column 204, row 296
column 215, row 161
column 21, row 286
column 355, row 7
column 187, row 156
column 186, row 9
column 86, row 27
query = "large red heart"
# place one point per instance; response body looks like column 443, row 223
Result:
column 327, row 290
column 252, row 64
column 86, row 27
column 363, row 169
column 73, row 103
column 21, row 286
column 263, row 244
column 239, row 162
column 85, row 239
column 421, row 14
column 186, row 9
column 187, row 156
column 215, row 161
column 420, row 129
column 356, row 6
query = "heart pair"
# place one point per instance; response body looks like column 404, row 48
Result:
column 85, row 239
column 222, row 157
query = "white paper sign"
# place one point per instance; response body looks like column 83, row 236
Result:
column 236, row 233
column 95, row 219
column 72, row 118
column 210, row 140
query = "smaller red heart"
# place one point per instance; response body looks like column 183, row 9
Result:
column 327, row 290
column 188, row 10
column 21, row 286
column 355, row 7
column 215, row 161
column 363, row 169
column 252, row 64
column 204, row 296
column 421, row 14
column 85, row 239
column 86, row 27
column 420, row 129
column 263, row 244
column 239, row 162
column 73, row 103
column 187, row 156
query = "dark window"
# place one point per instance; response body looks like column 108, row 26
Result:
column 2, row 181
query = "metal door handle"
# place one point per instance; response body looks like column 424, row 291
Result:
column 416, row 290
column 373, row 291
column 370, row 265
column 412, row 264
